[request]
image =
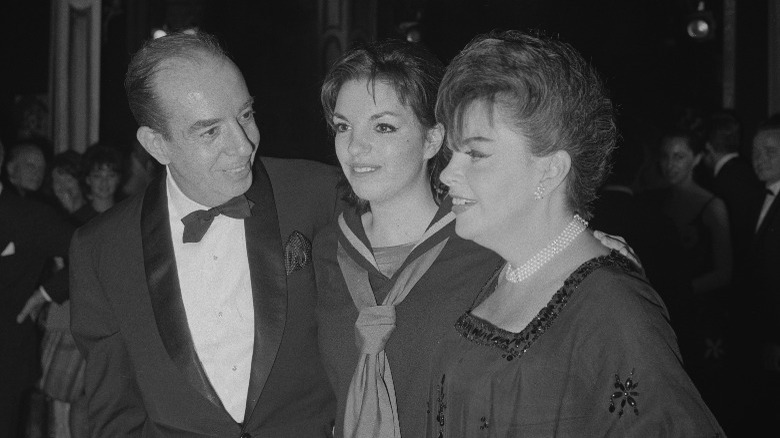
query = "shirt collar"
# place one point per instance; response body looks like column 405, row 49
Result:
column 723, row 160
column 774, row 187
column 178, row 203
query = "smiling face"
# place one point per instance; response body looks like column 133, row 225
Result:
column 212, row 132
column 102, row 181
column 65, row 186
column 382, row 147
column 766, row 156
column 492, row 177
column 677, row 160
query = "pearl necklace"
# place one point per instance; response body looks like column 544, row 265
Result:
column 567, row 236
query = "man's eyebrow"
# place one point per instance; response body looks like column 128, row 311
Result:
column 248, row 104
column 201, row 124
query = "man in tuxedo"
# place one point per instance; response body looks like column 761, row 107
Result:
column 31, row 233
column 762, row 325
column 193, row 302
column 733, row 181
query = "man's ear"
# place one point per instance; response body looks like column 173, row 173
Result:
column 153, row 142
column 433, row 140
column 557, row 168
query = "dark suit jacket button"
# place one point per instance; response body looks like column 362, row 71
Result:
column 246, row 435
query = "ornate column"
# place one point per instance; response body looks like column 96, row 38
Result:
column 75, row 73
column 343, row 22
column 729, row 59
column 773, row 20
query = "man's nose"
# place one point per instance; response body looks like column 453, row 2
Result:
column 241, row 143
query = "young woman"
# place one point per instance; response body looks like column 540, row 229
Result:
column 392, row 276
column 566, row 339
column 391, row 262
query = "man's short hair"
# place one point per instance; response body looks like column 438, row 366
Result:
column 40, row 144
column 149, row 60
column 723, row 132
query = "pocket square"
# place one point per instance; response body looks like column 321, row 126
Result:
column 9, row 250
column 297, row 252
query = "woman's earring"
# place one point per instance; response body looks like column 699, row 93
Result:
column 539, row 192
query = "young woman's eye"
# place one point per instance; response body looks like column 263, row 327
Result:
column 340, row 127
column 385, row 128
column 476, row 155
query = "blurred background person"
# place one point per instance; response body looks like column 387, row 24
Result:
column 67, row 184
column 732, row 180
column 62, row 366
column 31, row 233
column 702, row 221
column 762, row 300
column 26, row 168
column 103, row 167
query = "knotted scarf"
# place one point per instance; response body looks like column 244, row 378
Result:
column 371, row 409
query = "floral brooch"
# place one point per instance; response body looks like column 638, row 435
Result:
column 626, row 393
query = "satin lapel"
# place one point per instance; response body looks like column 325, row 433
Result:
column 269, row 282
column 163, row 282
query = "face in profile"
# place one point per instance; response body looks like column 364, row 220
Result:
column 65, row 186
column 381, row 145
column 212, row 132
column 28, row 169
column 102, row 182
column 766, row 156
column 492, row 177
column 677, row 160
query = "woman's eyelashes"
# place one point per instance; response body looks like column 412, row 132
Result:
column 340, row 126
column 475, row 154
column 385, row 128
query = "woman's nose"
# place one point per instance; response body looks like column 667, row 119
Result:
column 452, row 172
column 358, row 145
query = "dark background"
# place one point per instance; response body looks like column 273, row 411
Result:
column 653, row 69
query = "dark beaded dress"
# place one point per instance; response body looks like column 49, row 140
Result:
column 599, row 360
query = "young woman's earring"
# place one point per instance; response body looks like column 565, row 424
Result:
column 539, row 192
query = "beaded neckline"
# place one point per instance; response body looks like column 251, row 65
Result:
column 514, row 345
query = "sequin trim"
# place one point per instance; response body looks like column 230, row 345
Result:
column 514, row 345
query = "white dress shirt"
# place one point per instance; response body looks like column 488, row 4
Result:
column 773, row 189
column 217, row 293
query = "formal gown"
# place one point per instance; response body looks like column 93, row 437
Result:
column 599, row 360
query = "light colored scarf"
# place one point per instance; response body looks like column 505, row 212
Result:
column 371, row 409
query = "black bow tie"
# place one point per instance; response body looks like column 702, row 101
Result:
column 198, row 222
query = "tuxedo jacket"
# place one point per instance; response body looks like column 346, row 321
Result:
column 143, row 376
column 739, row 188
column 764, row 274
column 31, row 233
